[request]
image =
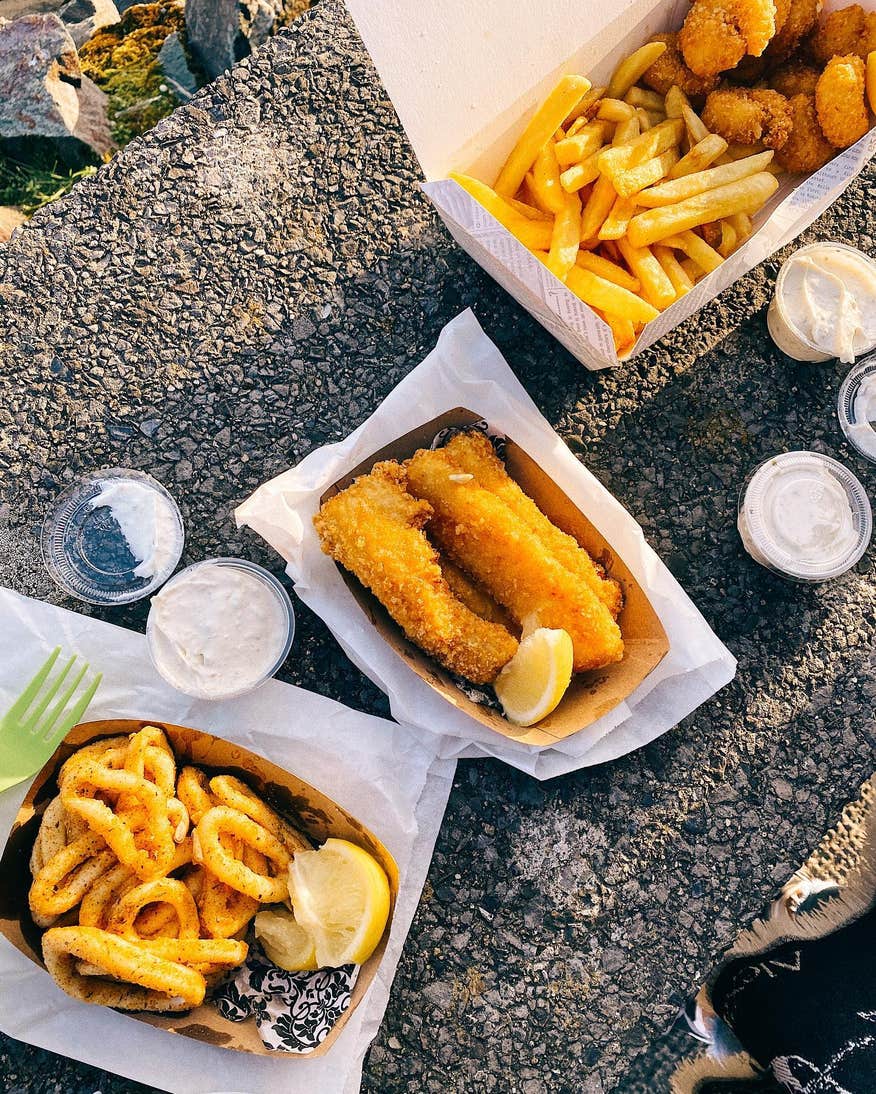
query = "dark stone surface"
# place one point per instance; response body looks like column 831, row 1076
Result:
column 246, row 284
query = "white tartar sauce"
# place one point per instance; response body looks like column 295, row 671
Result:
column 828, row 293
column 216, row 630
column 146, row 520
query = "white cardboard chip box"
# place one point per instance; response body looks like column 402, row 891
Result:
column 465, row 77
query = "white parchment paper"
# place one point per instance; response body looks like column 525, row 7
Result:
column 466, row 369
column 377, row 770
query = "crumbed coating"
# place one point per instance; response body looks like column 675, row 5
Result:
column 847, row 30
column 374, row 529
column 717, row 34
column 747, row 116
column 801, row 18
column 669, row 70
column 840, row 100
column 483, row 535
column 806, row 149
column 794, row 78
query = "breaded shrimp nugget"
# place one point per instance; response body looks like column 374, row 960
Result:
column 717, row 34
column 670, row 70
column 840, row 100
column 806, row 149
column 794, row 78
column 801, row 18
column 747, row 116
column 847, row 30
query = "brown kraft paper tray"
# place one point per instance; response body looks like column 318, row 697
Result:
column 591, row 694
column 311, row 811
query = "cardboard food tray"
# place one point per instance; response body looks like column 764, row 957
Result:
column 464, row 80
column 591, row 694
column 311, row 811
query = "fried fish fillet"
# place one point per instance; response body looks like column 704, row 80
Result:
column 483, row 535
column 374, row 529
column 473, row 454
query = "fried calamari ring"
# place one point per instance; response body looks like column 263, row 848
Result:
column 159, row 891
column 840, row 99
column 99, row 902
column 193, row 790
column 212, row 853
column 68, row 875
column 206, row 955
column 669, row 70
column 806, row 149
column 148, row 850
column 225, row 911
column 148, row 981
column 717, row 34
column 748, row 116
column 58, row 827
column 237, row 795
column 150, row 756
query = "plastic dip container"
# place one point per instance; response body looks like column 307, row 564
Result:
column 841, row 280
column 804, row 516
column 220, row 628
column 856, row 407
column 112, row 537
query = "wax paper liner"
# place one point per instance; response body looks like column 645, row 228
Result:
column 466, row 369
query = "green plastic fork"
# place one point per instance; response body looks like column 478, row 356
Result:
column 29, row 733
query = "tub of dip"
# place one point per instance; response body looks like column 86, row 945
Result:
column 220, row 628
column 804, row 516
column 856, row 407
column 112, row 537
column 824, row 306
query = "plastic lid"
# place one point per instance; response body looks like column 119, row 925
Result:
column 754, row 513
column 84, row 544
column 856, row 407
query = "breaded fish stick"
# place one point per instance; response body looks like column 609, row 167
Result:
column 474, row 597
column 484, row 536
column 373, row 528
column 473, row 453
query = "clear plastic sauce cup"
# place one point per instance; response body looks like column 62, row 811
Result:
column 856, row 407
column 804, row 516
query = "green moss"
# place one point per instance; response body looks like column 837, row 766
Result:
column 29, row 186
column 123, row 61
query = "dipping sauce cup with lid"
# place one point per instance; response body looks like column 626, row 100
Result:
column 220, row 628
column 824, row 305
column 856, row 407
column 804, row 516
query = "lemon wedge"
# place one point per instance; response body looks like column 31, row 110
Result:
column 533, row 682
column 340, row 894
column 285, row 941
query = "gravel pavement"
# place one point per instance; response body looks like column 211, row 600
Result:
column 247, row 283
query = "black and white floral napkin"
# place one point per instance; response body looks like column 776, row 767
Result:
column 294, row 1011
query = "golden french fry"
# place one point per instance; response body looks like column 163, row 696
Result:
column 736, row 151
column 670, row 265
column 655, row 117
column 534, row 234
column 622, row 330
column 613, row 161
column 634, row 66
column 585, row 107
column 607, row 269
column 706, row 257
column 870, row 79
column 625, row 132
column 741, row 223
column 693, row 271
column 576, row 126
column 650, row 100
column 566, row 237
column 728, row 239
column 644, row 117
column 544, row 181
column 695, row 128
column 657, row 289
column 668, row 193
column 675, row 102
column 573, row 178
column 634, row 180
column 608, row 297
column 701, row 156
column 743, row 196
column 613, row 110
column 616, row 223
column 597, row 208
column 549, row 116
column 529, row 211
column 589, row 139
